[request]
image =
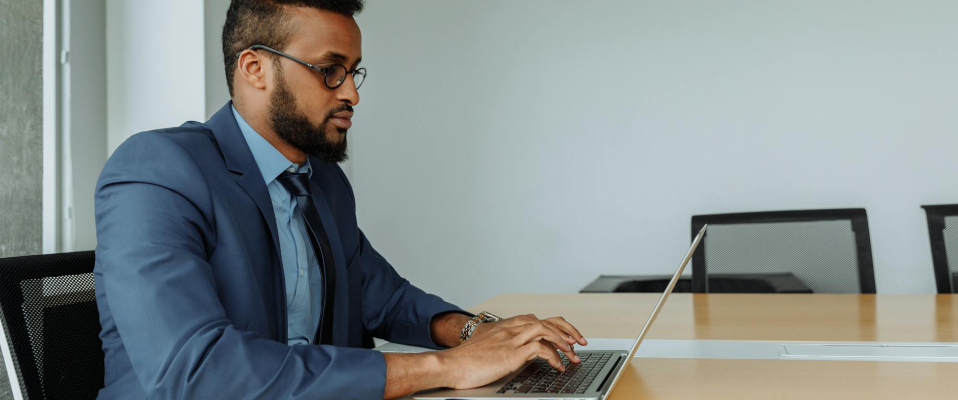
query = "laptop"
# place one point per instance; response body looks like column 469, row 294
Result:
column 594, row 378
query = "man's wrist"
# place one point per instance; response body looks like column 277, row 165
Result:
column 446, row 328
column 473, row 324
column 411, row 373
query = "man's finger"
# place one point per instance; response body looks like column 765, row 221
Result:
column 569, row 330
column 568, row 338
column 570, row 354
column 539, row 331
column 545, row 352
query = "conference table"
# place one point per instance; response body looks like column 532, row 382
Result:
column 762, row 317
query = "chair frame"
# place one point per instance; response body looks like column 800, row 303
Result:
column 857, row 216
column 17, row 353
column 936, row 234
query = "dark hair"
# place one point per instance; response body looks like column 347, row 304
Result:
column 265, row 22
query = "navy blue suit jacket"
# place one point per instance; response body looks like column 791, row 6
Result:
column 189, row 280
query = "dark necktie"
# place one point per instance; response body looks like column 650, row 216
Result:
column 298, row 185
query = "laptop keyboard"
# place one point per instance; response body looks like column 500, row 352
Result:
column 540, row 377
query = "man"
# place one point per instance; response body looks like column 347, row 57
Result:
column 229, row 263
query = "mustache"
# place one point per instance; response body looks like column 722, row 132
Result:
column 344, row 107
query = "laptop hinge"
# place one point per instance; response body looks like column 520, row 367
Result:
column 606, row 382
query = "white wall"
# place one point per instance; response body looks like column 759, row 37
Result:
column 156, row 66
column 83, row 119
column 506, row 146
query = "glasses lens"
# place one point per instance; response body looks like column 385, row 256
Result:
column 335, row 75
column 359, row 76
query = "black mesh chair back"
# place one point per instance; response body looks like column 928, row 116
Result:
column 943, row 233
column 652, row 286
column 823, row 251
column 52, row 325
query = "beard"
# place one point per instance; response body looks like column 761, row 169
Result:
column 297, row 130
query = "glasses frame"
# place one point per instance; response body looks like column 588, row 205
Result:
column 324, row 71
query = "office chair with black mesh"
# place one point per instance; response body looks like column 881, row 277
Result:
column 944, row 245
column 51, row 325
column 810, row 251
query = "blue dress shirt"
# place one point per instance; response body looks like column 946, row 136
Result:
column 300, row 266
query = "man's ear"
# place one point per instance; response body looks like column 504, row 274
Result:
column 252, row 68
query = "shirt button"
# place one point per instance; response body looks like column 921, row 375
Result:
column 301, row 272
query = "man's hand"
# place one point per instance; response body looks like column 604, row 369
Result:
column 500, row 351
column 558, row 325
column 496, row 349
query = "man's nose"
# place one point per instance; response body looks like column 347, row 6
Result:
column 347, row 92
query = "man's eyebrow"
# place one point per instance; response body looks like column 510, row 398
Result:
column 333, row 57
column 336, row 58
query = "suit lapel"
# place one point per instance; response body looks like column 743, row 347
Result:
column 341, row 314
column 239, row 160
column 252, row 182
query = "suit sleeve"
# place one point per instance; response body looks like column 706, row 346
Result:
column 155, row 234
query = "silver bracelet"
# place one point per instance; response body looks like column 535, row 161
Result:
column 473, row 323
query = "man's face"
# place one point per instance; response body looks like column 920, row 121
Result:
column 303, row 111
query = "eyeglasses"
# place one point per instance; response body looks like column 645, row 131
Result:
column 333, row 75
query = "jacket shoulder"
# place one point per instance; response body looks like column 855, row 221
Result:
column 162, row 156
column 189, row 136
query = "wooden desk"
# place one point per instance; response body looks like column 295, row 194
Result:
column 886, row 318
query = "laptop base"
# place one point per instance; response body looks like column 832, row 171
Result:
column 537, row 371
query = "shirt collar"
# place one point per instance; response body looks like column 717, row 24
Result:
column 270, row 161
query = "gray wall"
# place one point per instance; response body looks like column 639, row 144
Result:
column 21, row 133
column 529, row 146
column 533, row 145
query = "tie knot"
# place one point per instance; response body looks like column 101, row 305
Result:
column 296, row 183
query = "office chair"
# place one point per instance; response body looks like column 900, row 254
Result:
column 652, row 285
column 944, row 245
column 51, row 325
column 823, row 251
